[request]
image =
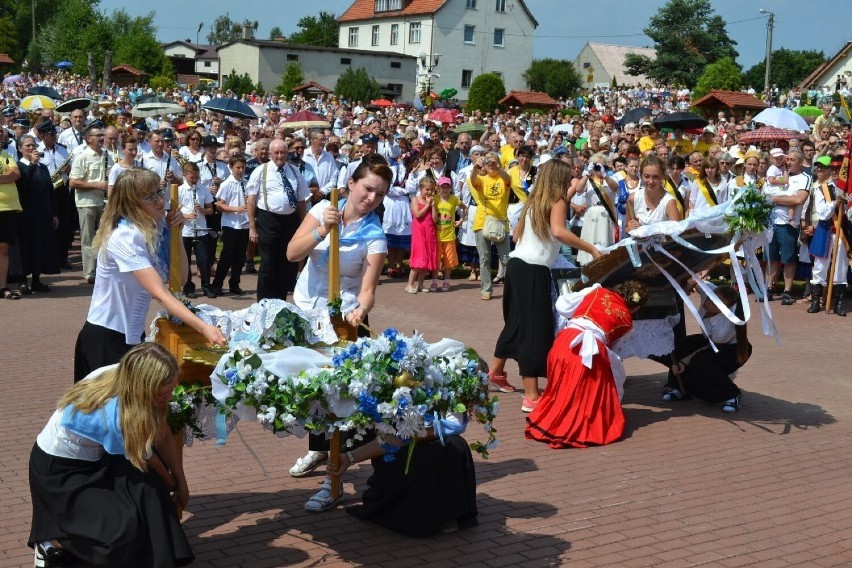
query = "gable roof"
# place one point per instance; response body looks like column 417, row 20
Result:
column 5, row 59
column 312, row 85
column 366, row 10
column 129, row 69
column 528, row 98
column 731, row 99
column 276, row 44
column 817, row 73
column 612, row 60
column 202, row 50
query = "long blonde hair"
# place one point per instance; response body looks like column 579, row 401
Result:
column 551, row 184
column 143, row 371
column 127, row 201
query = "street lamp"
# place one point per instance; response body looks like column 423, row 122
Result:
column 198, row 31
column 770, row 23
column 429, row 62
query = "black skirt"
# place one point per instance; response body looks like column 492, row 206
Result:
column 528, row 317
column 106, row 512
column 440, row 487
column 97, row 347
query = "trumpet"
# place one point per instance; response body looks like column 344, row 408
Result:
column 56, row 177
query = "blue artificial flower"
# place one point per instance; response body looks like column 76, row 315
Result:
column 390, row 333
column 403, row 403
column 390, row 452
column 399, row 352
column 368, row 405
column 232, row 376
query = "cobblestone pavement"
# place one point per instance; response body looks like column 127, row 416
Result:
column 687, row 486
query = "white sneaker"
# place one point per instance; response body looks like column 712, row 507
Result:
column 307, row 463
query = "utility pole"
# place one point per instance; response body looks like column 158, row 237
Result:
column 770, row 23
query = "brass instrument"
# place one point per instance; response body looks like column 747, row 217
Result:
column 56, row 177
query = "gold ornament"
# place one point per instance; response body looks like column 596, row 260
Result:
column 406, row 379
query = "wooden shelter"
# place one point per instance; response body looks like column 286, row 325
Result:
column 526, row 100
column 734, row 103
column 6, row 60
column 127, row 75
column 312, row 89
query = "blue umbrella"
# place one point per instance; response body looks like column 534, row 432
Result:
column 64, row 64
column 46, row 91
column 230, row 107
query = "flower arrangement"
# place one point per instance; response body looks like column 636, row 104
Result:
column 390, row 384
column 185, row 407
column 750, row 212
column 288, row 329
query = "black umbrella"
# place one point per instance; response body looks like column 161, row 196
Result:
column 230, row 107
column 46, row 91
column 681, row 120
column 83, row 103
column 635, row 115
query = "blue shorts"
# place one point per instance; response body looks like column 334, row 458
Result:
column 784, row 247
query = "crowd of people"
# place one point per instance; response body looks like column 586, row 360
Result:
column 502, row 194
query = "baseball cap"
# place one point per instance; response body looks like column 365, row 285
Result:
column 444, row 180
column 776, row 152
column 823, row 161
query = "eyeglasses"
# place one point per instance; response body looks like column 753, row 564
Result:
column 152, row 198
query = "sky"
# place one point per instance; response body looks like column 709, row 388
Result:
column 565, row 26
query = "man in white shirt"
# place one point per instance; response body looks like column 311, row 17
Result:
column 324, row 166
column 72, row 138
column 161, row 162
column 277, row 193
column 195, row 203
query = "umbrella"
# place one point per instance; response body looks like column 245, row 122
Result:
column 230, row 107
column 635, row 115
column 680, row 120
column 768, row 134
column 259, row 111
column 564, row 127
column 156, row 106
column 306, row 119
column 471, row 128
column 37, row 102
column 442, row 115
column 381, row 103
column 781, row 117
column 83, row 103
column 46, row 91
column 807, row 110
column 64, row 64
column 12, row 79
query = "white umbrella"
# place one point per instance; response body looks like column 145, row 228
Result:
column 564, row 127
column 781, row 117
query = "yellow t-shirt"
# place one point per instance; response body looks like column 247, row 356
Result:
column 517, row 185
column 702, row 146
column 681, row 147
column 645, row 143
column 8, row 191
column 447, row 218
column 492, row 198
column 507, row 154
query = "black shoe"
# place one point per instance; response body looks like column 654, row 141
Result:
column 250, row 268
column 66, row 266
column 236, row 290
column 40, row 287
column 24, row 289
column 787, row 299
column 53, row 557
column 208, row 291
column 218, row 290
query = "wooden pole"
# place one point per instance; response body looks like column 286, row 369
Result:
column 833, row 264
column 339, row 327
column 175, row 244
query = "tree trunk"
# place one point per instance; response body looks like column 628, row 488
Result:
column 93, row 75
column 107, row 70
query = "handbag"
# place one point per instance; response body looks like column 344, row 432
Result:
column 494, row 229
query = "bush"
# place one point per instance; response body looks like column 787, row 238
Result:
column 485, row 92
column 161, row 82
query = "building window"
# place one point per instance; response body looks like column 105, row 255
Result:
column 375, row 37
column 498, row 37
column 501, row 5
column 292, row 57
column 207, row 64
column 498, row 73
column 394, row 34
column 346, row 61
column 396, row 65
column 395, row 87
column 353, row 37
column 467, row 78
column 414, row 32
column 471, row 4
column 388, row 5
column 468, row 34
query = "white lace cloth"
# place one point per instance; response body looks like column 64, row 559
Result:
column 649, row 337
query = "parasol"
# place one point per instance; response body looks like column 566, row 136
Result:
column 37, row 102
column 230, row 107
column 634, row 115
column 472, row 128
column 156, row 106
column 807, row 110
column 64, row 64
column 381, row 103
column 768, row 134
column 83, row 103
column 45, row 91
column 12, row 79
column 680, row 120
column 306, row 119
column 781, row 117
column 443, row 115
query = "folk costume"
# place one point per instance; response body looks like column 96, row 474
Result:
column 824, row 208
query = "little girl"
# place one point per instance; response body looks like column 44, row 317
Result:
column 424, row 240
column 447, row 206
column 777, row 177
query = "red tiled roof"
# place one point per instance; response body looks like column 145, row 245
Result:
column 128, row 69
column 524, row 98
column 312, row 85
column 5, row 59
column 366, row 10
column 731, row 99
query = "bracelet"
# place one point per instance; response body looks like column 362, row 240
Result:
column 316, row 235
column 349, row 455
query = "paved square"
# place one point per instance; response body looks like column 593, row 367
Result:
column 688, row 486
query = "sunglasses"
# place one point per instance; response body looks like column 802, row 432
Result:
column 152, row 198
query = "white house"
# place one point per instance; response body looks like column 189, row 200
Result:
column 265, row 60
column 599, row 63
column 193, row 58
column 826, row 75
column 453, row 40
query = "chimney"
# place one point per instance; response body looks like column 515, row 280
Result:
column 247, row 32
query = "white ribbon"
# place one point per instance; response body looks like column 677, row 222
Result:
column 590, row 338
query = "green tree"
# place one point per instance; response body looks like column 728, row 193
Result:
column 275, row 32
column 486, row 90
column 8, row 41
column 239, row 84
column 687, row 37
column 556, row 77
column 21, row 13
column 319, row 31
column 724, row 74
column 357, row 85
column 292, row 77
column 76, row 29
column 166, row 79
column 789, row 67
column 136, row 41
column 225, row 30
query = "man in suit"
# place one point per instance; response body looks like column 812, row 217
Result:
column 459, row 157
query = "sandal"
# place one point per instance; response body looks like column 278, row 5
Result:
column 411, row 290
column 323, row 501
column 499, row 379
column 9, row 294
